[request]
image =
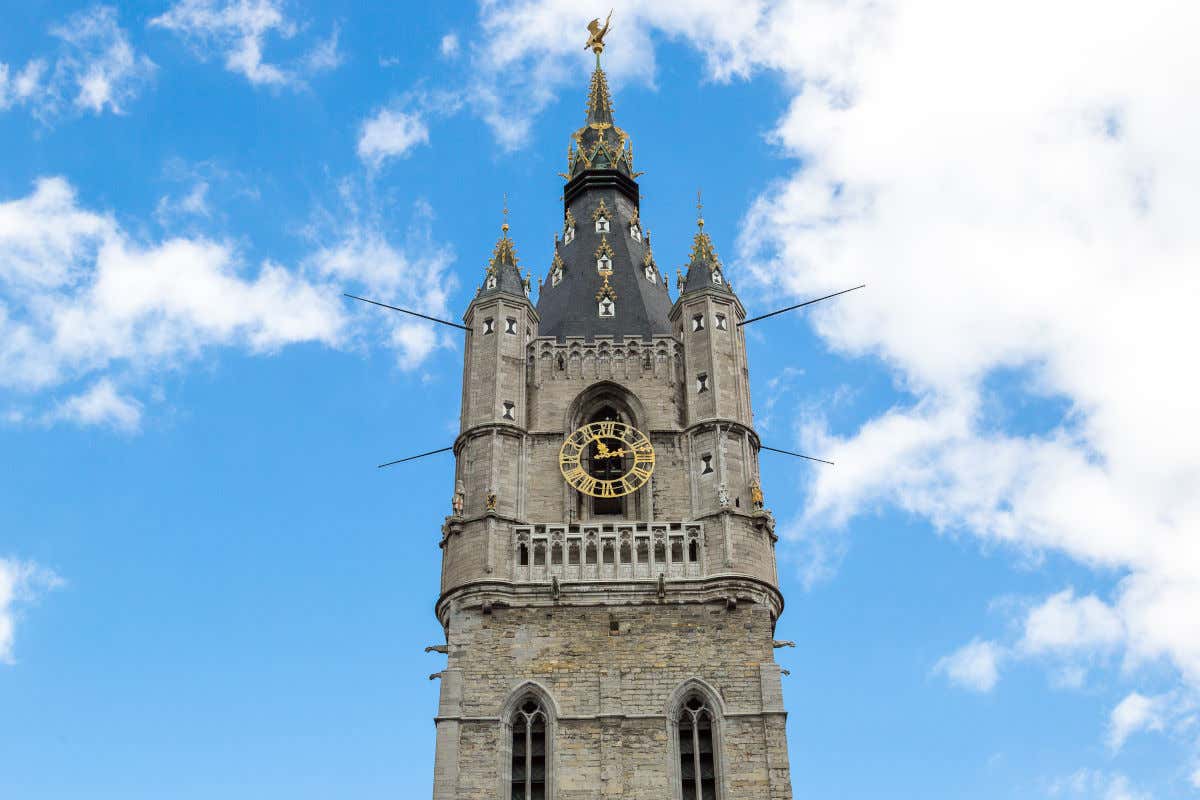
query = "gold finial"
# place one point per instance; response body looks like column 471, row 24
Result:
column 595, row 41
column 700, row 209
column 504, row 227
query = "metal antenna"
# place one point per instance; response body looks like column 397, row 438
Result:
column 406, row 311
column 797, row 455
column 412, row 458
column 798, row 305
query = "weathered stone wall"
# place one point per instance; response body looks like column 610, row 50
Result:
column 611, row 689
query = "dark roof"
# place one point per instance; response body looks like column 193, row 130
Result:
column 704, row 266
column 503, row 266
column 571, row 308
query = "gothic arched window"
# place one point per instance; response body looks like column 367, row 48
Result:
column 529, row 752
column 695, row 728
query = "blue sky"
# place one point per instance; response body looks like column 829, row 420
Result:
column 207, row 588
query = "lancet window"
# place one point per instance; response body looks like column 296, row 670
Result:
column 529, row 751
column 695, row 724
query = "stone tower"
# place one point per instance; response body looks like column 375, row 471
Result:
column 611, row 644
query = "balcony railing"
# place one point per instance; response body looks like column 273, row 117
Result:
column 608, row 551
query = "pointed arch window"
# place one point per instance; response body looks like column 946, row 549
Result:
column 601, row 224
column 607, row 308
column 696, row 747
column 529, row 751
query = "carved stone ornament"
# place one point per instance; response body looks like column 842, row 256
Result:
column 491, row 500
column 459, row 501
column 723, row 495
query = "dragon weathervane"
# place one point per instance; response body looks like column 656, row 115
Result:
column 595, row 41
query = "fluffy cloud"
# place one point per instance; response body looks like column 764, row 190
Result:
column 82, row 299
column 1026, row 228
column 237, row 31
column 1135, row 713
column 974, row 666
column 391, row 133
column 95, row 70
column 21, row 582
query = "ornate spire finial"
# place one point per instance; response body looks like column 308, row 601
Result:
column 504, row 227
column 596, row 35
column 700, row 209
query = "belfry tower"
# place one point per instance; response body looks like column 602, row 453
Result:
column 609, row 589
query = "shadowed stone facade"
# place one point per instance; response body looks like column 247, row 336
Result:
column 608, row 649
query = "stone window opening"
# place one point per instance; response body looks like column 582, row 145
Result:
column 676, row 550
column 528, row 776
column 660, row 552
column 603, row 264
column 698, row 322
column 510, row 409
column 562, row 362
column 697, row 750
column 693, row 550
column 722, row 323
column 489, row 326
column 607, row 308
column 602, row 224
column 523, row 554
column 626, row 553
column 510, row 325
column 643, row 552
column 539, row 555
column 609, row 555
column 706, row 464
column 589, row 553
column 556, row 553
column 702, row 382
column 573, row 553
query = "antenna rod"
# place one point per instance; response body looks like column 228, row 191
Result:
column 797, row 455
column 406, row 311
column 798, row 305
column 410, row 458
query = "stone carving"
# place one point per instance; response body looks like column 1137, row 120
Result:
column 491, row 499
column 723, row 495
column 756, row 495
column 459, row 501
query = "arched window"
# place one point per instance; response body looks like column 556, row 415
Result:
column 529, row 729
column 695, row 731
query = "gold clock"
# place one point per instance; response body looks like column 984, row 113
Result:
column 607, row 459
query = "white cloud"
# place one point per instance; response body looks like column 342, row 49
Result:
column 83, row 300
column 1064, row 622
column 21, row 583
column 95, row 70
column 102, row 404
column 449, row 45
column 974, row 666
column 238, row 30
column 1135, row 713
column 391, row 133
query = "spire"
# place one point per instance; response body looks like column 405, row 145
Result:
column 599, row 144
column 704, row 270
column 503, row 273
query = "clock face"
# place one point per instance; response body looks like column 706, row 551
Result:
column 607, row 459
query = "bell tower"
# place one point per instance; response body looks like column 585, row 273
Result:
column 609, row 591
